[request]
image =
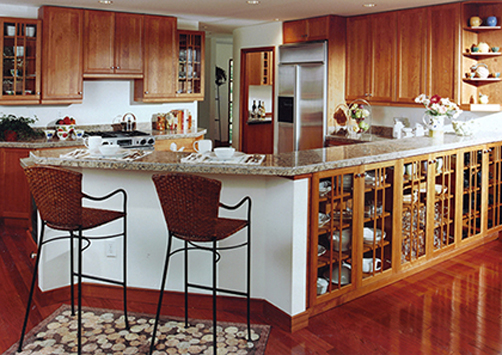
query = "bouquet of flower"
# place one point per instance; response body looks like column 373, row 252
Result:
column 437, row 106
column 360, row 115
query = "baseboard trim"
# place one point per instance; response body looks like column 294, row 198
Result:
column 198, row 302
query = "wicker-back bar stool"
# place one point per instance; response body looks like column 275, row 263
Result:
column 58, row 196
column 190, row 205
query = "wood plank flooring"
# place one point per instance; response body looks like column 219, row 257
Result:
column 452, row 308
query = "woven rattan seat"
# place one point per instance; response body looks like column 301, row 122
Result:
column 191, row 205
column 58, row 196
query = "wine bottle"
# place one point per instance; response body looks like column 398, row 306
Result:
column 253, row 109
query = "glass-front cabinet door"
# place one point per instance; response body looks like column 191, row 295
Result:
column 190, row 83
column 20, row 43
column 494, row 187
column 414, row 211
column 332, row 230
column 443, row 189
column 377, row 223
column 472, row 197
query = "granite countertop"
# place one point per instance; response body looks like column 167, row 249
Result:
column 56, row 143
column 286, row 164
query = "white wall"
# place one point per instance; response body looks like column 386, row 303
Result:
column 103, row 99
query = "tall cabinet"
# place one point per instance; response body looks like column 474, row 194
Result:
column 20, row 42
column 62, row 53
column 160, row 67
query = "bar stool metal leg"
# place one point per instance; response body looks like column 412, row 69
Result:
column 32, row 288
column 72, row 273
column 125, row 265
column 79, row 315
column 186, row 283
column 162, row 286
column 215, row 260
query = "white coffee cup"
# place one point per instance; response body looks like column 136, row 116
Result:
column 203, row 146
column 93, row 143
column 368, row 264
column 11, row 30
column 30, row 31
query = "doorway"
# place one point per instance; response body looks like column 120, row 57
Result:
column 257, row 100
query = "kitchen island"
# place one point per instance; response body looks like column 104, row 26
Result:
column 286, row 233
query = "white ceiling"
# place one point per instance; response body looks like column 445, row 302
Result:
column 223, row 16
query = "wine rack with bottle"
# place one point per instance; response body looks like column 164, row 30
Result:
column 20, row 66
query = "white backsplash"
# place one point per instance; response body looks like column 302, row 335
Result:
column 103, row 101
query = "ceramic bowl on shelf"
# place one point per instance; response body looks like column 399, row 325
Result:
column 344, row 277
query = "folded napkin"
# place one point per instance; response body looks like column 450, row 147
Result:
column 123, row 154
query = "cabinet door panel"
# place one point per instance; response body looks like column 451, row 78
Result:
column 14, row 191
column 383, row 31
column 358, row 59
column 294, row 31
column 443, row 51
column 98, row 42
column 160, row 57
column 411, row 54
column 377, row 221
column 128, row 43
column 318, row 28
column 62, row 52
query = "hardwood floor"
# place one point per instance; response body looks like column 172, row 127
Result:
column 452, row 308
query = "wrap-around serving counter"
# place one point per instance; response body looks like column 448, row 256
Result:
column 404, row 205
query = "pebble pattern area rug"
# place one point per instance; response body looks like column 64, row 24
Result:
column 104, row 333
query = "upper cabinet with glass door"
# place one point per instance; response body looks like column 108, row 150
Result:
column 20, row 66
column 190, row 83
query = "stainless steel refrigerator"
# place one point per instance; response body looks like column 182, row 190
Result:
column 302, row 96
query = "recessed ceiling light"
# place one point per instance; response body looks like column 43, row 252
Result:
column 105, row 2
column 369, row 5
column 252, row 2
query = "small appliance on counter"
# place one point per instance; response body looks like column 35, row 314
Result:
column 126, row 139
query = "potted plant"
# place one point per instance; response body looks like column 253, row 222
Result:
column 14, row 128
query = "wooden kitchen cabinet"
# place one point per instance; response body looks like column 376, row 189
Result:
column 160, row 61
column 113, row 44
column 494, row 193
column 62, row 53
column 190, row 74
column 356, row 204
column 371, row 45
column 20, row 42
column 411, row 74
column 305, row 30
column 430, row 207
column 444, row 56
column 15, row 200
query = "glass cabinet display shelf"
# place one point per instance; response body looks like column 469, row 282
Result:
column 190, row 83
column 20, row 43
column 351, row 229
